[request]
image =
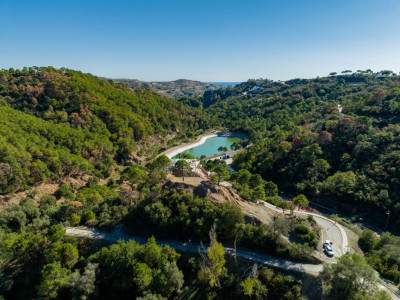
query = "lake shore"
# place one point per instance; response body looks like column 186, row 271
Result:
column 200, row 140
column 178, row 149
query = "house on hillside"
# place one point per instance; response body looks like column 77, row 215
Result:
column 225, row 155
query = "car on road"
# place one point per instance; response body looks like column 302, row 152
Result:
column 329, row 251
column 327, row 244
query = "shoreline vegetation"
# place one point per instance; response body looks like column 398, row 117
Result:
column 200, row 140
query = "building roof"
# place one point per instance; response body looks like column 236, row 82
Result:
column 230, row 153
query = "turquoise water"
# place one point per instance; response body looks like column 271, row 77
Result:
column 211, row 145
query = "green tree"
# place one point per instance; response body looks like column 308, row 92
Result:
column 135, row 175
column 181, row 168
column 301, row 200
column 284, row 205
column 54, row 277
column 242, row 176
column 174, row 277
column 160, row 163
column 258, row 193
column 253, row 288
column 46, row 202
column 255, row 180
column 368, row 240
column 74, row 219
column 271, row 189
column 64, row 191
column 236, row 146
column 349, row 276
column 89, row 216
column 222, row 149
column 65, row 253
column 341, row 183
column 247, row 286
column 55, row 233
column 281, row 225
column 222, row 171
column 213, row 263
column 142, row 276
column 84, row 285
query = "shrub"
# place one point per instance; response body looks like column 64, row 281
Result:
column 368, row 240
column 74, row 219
column 302, row 229
column 64, row 191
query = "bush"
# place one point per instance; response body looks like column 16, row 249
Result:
column 368, row 240
column 93, row 181
column 301, row 201
column 89, row 216
column 46, row 202
column 74, row 219
column 311, row 219
column 274, row 200
column 64, row 191
column 299, row 251
column 302, row 229
column 306, row 236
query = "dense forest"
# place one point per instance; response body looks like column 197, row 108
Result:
column 38, row 261
column 60, row 122
column 304, row 144
column 64, row 127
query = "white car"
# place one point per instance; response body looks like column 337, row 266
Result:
column 329, row 251
column 327, row 244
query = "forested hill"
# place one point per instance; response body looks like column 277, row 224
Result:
column 258, row 105
column 57, row 122
column 174, row 89
column 305, row 145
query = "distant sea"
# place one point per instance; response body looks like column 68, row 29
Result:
column 225, row 83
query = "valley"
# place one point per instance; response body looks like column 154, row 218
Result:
column 237, row 169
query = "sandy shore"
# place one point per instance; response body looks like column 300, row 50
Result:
column 176, row 150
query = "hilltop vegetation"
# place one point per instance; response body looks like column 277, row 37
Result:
column 174, row 89
column 85, row 101
column 59, row 122
column 305, row 145
column 33, row 150
column 37, row 260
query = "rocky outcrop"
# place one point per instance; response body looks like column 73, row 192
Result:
column 216, row 194
column 220, row 194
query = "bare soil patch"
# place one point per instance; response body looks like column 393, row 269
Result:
column 219, row 194
column 36, row 192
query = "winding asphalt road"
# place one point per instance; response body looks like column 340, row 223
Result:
column 331, row 230
column 195, row 248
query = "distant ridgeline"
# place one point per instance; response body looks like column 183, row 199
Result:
column 59, row 122
column 304, row 144
column 174, row 89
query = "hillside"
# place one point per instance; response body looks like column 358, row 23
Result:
column 348, row 160
column 59, row 122
column 173, row 89
column 94, row 142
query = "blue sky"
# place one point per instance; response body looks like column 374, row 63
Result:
column 217, row 40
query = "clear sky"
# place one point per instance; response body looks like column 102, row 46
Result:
column 218, row 40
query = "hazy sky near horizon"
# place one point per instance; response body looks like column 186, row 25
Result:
column 219, row 40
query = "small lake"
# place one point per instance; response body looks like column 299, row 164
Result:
column 211, row 145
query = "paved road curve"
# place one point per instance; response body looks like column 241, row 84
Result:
column 332, row 230
column 194, row 248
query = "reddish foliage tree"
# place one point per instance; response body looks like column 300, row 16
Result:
column 297, row 143
column 324, row 138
